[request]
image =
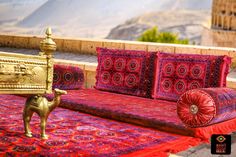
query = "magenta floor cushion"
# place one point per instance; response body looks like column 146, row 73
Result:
column 206, row 106
column 158, row 114
column 177, row 73
column 67, row 77
column 124, row 71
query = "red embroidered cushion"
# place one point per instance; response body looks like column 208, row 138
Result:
column 206, row 106
column 177, row 73
column 67, row 77
column 125, row 71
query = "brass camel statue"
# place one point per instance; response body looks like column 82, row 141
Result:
column 43, row 108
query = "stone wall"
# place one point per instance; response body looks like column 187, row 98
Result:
column 88, row 46
column 215, row 37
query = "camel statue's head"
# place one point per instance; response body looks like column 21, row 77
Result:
column 59, row 92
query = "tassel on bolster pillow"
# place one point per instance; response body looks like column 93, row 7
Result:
column 206, row 106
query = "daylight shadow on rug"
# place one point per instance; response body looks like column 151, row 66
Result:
column 78, row 134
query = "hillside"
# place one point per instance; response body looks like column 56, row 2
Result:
column 80, row 18
column 16, row 10
column 186, row 23
column 57, row 11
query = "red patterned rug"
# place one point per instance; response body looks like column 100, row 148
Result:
column 73, row 133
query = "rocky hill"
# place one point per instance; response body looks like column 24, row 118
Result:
column 16, row 10
column 185, row 23
column 82, row 18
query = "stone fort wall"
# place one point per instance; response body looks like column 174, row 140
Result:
column 222, row 31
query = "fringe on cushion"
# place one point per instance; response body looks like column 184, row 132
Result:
column 225, row 127
column 165, row 149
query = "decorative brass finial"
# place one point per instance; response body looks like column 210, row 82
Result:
column 47, row 46
column 49, row 32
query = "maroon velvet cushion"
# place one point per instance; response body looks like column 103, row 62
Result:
column 158, row 114
column 177, row 73
column 206, row 106
column 67, row 77
column 125, row 71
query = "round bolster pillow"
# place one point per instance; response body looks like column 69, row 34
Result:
column 206, row 106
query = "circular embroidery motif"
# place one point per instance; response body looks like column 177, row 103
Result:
column 131, row 80
column 169, row 69
column 104, row 133
column 6, row 123
column 196, row 71
column 16, row 128
column 167, row 85
column 133, row 65
column 194, row 85
column 5, row 139
column 56, row 77
column 107, row 63
column 86, row 128
column 117, row 79
column 105, row 77
column 180, row 86
column 22, row 148
column 56, row 143
column 182, row 70
column 68, row 124
column 120, row 64
column 84, row 138
column 51, row 126
column 68, row 77
column 63, row 131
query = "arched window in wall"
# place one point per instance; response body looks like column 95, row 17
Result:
column 219, row 21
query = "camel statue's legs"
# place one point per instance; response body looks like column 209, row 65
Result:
column 43, row 127
column 27, row 118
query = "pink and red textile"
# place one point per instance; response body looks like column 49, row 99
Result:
column 76, row 134
column 131, row 72
column 125, row 71
column 177, row 73
column 67, row 77
column 207, row 106
column 158, row 114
